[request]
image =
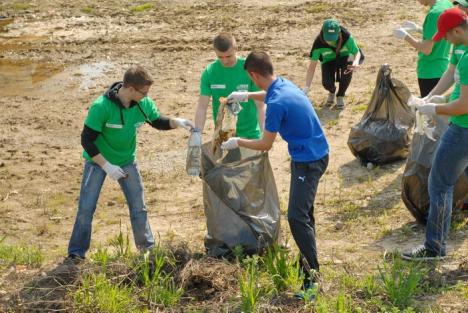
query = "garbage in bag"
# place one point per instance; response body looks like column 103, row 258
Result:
column 382, row 134
column 414, row 184
column 240, row 200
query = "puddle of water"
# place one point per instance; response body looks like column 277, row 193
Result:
column 91, row 72
column 21, row 77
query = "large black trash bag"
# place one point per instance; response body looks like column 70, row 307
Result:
column 382, row 134
column 240, row 200
column 414, row 184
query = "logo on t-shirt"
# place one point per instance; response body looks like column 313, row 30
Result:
column 109, row 125
column 242, row 87
column 217, row 86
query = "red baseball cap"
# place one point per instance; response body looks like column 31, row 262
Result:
column 449, row 19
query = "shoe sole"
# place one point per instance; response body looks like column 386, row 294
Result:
column 432, row 258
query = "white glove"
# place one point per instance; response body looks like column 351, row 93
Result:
column 113, row 171
column 238, row 96
column 230, row 144
column 400, row 33
column 411, row 27
column 427, row 109
column 435, row 99
column 182, row 122
column 306, row 90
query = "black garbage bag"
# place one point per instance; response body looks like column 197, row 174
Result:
column 414, row 183
column 382, row 134
column 240, row 200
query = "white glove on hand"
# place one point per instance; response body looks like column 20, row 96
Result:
column 238, row 96
column 230, row 144
column 113, row 171
column 400, row 33
column 427, row 109
column 436, row 99
column 411, row 27
column 306, row 90
column 182, row 122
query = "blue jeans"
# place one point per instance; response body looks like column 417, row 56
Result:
column 450, row 161
column 132, row 187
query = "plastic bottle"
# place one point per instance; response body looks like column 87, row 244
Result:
column 193, row 164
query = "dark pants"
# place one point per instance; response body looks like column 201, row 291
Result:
column 334, row 72
column 426, row 85
column 305, row 177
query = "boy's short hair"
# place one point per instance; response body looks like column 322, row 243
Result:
column 223, row 42
column 260, row 63
column 137, row 76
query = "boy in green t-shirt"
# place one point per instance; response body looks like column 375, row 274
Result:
column 109, row 142
column 451, row 157
column 339, row 55
column 432, row 56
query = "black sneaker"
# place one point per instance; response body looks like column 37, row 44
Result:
column 73, row 259
column 421, row 253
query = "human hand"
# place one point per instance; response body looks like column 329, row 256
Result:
column 436, row 99
column 177, row 122
column 411, row 27
column 230, row 144
column 400, row 33
column 238, row 96
column 427, row 109
column 113, row 171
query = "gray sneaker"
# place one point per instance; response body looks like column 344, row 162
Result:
column 330, row 99
column 340, row 103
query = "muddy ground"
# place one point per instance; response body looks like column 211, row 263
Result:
column 57, row 56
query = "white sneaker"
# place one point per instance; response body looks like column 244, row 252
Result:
column 340, row 103
column 330, row 99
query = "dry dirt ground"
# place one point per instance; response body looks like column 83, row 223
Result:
column 57, row 56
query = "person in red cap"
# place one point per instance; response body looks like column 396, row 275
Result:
column 451, row 157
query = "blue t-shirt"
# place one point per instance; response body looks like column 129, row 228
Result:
column 290, row 113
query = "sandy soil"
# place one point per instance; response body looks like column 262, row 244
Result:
column 57, row 56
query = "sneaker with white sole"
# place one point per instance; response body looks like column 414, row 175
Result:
column 340, row 104
column 330, row 99
column 421, row 253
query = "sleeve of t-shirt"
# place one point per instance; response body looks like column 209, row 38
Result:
column 352, row 46
column 463, row 69
column 430, row 25
column 273, row 118
column 205, row 89
column 151, row 110
column 315, row 54
column 97, row 117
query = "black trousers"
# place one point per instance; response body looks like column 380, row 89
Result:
column 426, row 85
column 333, row 72
column 305, row 177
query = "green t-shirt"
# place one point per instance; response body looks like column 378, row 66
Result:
column 457, row 53
column 435, row 64
column 117, row 139
column 461, row 79
column 326, row 54
column 219, row 81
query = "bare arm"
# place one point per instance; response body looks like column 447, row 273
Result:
column 457, row 107
column 200, row 113
column 424, row 46
column 263, row 144
column 445, row 82
column 310, row 73
column 261, row 107
column 99, row 160
column 257, row 95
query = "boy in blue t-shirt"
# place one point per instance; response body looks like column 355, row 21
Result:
column 290, row 113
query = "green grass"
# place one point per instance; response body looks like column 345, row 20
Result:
column 87, row 10
column 283, row 271
column 250, row 289
column 20, row 6
column 142, row 7
column 20, row 255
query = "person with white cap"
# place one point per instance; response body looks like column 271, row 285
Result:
column 451, row 157
column 433, row 57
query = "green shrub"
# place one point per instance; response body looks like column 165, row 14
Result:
column 250, row 288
